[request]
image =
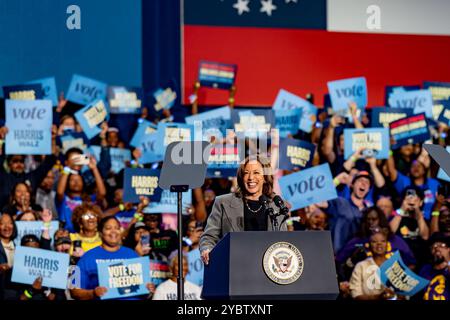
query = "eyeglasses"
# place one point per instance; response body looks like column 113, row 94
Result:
column 439, row 245
column 88, row 216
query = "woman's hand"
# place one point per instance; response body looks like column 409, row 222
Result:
column 100, row 291
column 151, row 287
column 205, row 256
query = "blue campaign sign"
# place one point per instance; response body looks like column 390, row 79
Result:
column 308, row 186
column 444, row 115
column 23, row 92
column 223, row 161
column 164, row 98
column 84, row 90
column 196, row 266
column 288, row 101
column 168, row 203
column 252, row 123
column 288, row 121
column 31, row 263
column 91, row 116
column 342, row 92
column 390, row 89
column 124, row 278
column 375, row 139
column 413, row 129
column 210, row 123
column 141, row 182
column 382, row 117
column 33, row 227
column 295, row 154
column 396, row 275
column 29, row 123
column 151, row 147
column 144, row 127
column 118, row 156
column 48, row 88
column 172, row 132
column 441, row 173
column 439, row 90
column 418, row 100
column 125, row 99
column 72, row 140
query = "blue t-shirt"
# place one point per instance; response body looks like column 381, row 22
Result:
column 429, row 188
column 65, row 209
column 88, row 264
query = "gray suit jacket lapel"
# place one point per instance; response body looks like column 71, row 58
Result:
column 236, row 214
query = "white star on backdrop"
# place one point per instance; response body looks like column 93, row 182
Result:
column 267, row 7
column 289, row 1
column 241, row 6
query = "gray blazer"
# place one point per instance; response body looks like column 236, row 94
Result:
column 227, row 215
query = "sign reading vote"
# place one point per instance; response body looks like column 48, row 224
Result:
column 308, row 186
column 342, row 92
column 288, row 121
column 29, row 123
column 375, row 139
column 126, row 278
column 288, row 101
column 216, row 75
column 210, row 123
column 48, row 86
column 31, row 263
column 382, row 117
column 295, row 154
column 396, row 275
column 91, row 116
column 196, row 266
column 408, row 130
column 418, row 100
column 33, row 227
column 84, row 90
column 141, row 182
column 23, row 92
column 390, row 89
column 124, row 99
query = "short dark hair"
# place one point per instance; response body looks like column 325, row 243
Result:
column 72, row 150
column 102, row 222
column 29, row 238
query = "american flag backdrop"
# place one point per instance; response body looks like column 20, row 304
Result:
column 299, row 45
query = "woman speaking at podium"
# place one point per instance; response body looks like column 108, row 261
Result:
column 252, row 207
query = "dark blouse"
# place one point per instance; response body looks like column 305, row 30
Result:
column 254, row 221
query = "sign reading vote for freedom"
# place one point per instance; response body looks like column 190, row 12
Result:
column 342, row 92
column 141, row 182
column 33, row 227
column 418, row 100
column 29, row 123
column 396, row 275
column 126, row 278
column 48, row 88
column 31, row 263
column 308, row 186
column 83, row 90
column 382, row 117
column 295, row 154
column 288, row 101
column 375, row 139
column 216, row 75
column 210, row 123
column 124, row 99
column 23, row 92
column 91, row 116
column 412, row 129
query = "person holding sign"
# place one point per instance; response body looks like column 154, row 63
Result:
column 247, row 209
column 365, row 283
column 111, row 249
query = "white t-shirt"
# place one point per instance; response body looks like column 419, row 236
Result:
column 168, row 291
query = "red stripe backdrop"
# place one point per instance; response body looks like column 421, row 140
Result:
column 302, row 61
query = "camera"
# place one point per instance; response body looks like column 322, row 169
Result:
column 80, row 159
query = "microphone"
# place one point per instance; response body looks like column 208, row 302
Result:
column 264, row 200
column 280, row 204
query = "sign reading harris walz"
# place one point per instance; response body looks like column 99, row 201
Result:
column 29, row 123
column 141, row 182
column 408, row 130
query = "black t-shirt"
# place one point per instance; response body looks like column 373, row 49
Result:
column 164, row 242
column 255, row 217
